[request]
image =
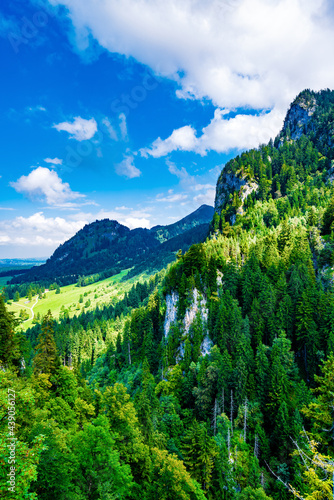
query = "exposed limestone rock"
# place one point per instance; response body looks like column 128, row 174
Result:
column 171, row 312
column 206, row 345
column 227, row 184
column 198, row 306
column 298, row 118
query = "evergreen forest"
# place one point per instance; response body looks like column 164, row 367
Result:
column 214, row 379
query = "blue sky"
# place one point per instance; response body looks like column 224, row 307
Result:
column 129, row 109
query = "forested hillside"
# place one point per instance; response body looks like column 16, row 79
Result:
column 215, row 379
column 106, row 247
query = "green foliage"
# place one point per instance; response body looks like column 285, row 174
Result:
column 9, row 341
column 46, row 359
column 210, row 402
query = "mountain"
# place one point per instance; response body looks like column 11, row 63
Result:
column 106, row 246
column 201, row 216
column 304, row 146
column 218, row 384
column 311, row 114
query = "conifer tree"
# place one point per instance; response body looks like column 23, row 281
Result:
column 46, row 359
column 9, row 341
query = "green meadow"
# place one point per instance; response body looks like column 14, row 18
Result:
column 74, row 300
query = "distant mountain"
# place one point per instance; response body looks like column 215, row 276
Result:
column 202, row 215
column 106, row 246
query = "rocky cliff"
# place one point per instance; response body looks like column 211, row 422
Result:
column 310, row 114
column 298, row 120
column 227, row 184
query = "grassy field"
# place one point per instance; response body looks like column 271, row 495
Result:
column 74, row 300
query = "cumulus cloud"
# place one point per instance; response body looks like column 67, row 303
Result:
column 237, row 53
column 200, row 193
column 53, row 161
column 183, row 139
column 39, row 235
column 132, row 219
column 45, row 184
column 244, row 131
column 127, row 168
column 80, row 129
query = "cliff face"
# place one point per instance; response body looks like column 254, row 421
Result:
column 227, row 184
column 199, row 308
column 298, row 120
column 310, row 114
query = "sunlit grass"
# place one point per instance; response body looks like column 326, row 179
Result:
column 105, row 292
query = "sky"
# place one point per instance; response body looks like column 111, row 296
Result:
column 129, row 109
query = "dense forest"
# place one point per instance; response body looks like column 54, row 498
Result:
column 106, row 247
column 213, row 380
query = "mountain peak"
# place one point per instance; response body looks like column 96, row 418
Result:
column 309, row 123
column 106, row 246
column 311, row 114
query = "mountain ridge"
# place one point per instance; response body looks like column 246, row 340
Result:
column 106, row 246
column 309, row 120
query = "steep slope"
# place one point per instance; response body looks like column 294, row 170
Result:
column 201, row 216
column 231, row 347
column 107, row 246
column 312, row 114
column 228, row 362
column 308, row 129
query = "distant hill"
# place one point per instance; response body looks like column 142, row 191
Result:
column 106, row 246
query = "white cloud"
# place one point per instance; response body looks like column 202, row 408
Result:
column 123, row 127
column 237, row 53
column 53, row 161
column 183, row 139
column 39, row 235
column 131, row 219
column 127, row 168
column 221, row 135
column 206, row 198
column 34, row 109
column 193, row 192
column 119, row 130
column 133, row 222
column 110, row 128
column 172, row 198
column 43, row 183
column 80, row 129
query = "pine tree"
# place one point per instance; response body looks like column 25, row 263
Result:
column 321, row 411
column 199, row 451
column 9, row 341
column 46, row 359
